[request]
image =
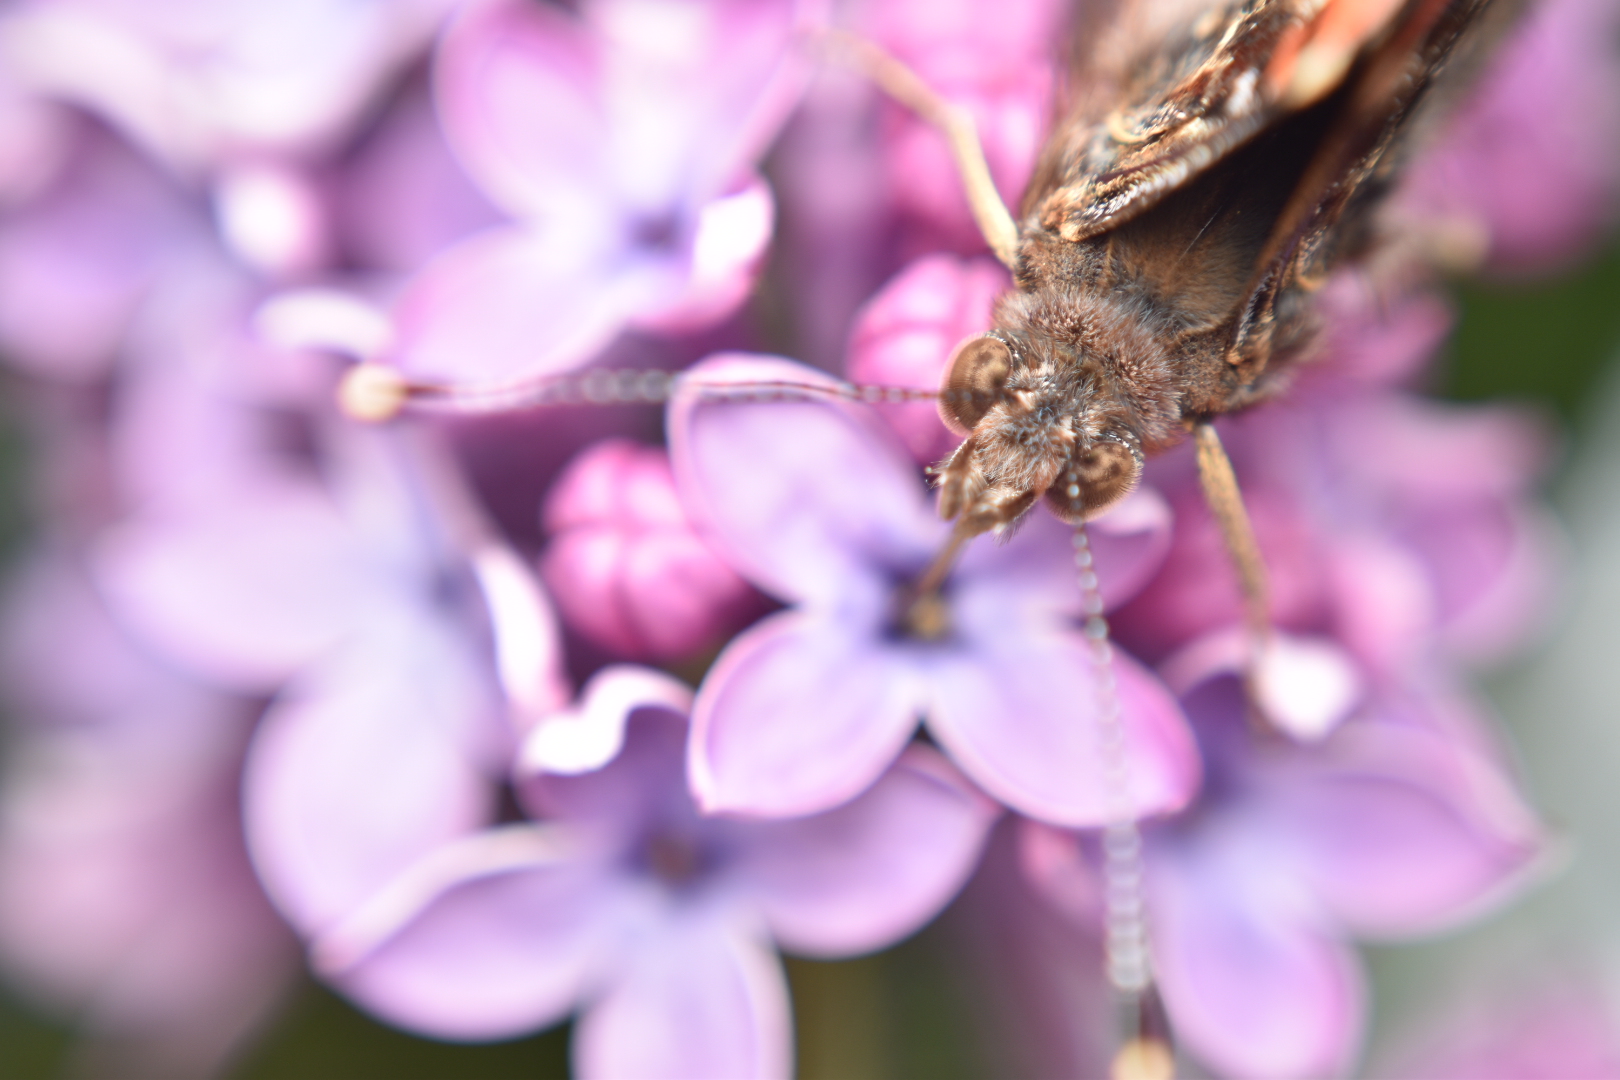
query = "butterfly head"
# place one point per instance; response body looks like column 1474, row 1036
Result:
column 1035, row 428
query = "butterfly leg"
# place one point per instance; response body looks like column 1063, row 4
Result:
column 1226, row 502
column 995, row 221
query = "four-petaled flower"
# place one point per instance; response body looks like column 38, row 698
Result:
column 816, row 504
column 620, row 900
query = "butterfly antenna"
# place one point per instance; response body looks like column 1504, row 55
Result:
column 375, row 393
column 1145, row 1050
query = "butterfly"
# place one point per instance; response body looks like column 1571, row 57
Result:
column 1208, row 171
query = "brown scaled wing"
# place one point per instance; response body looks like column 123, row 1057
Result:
column 1187, row 174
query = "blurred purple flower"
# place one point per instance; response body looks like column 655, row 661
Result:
column 905, row 335
column 401, row 197
column 1528, row 169
column 1403, row 822
column 625, row 565
column 1398, row 528
column 126, row 897
column 999, row 69
column 621, row 901
column 203, row 84
column 815, row 503
column 358, row 604
column 623, row 141
column 78, row 257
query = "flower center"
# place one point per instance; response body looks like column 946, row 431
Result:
column 921, row 611
column 673, row 859
column 657, row 232
column 925, row 617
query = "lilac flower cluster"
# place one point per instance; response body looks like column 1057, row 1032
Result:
column 283, row 678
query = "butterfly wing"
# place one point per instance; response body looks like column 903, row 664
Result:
column 1348, row 171
column 1221, row 160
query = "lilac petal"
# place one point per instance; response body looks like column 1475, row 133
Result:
column 509, row 304
column 75, row 263
column 588, row 737
column 1304, row 686
column 528, row 649
column 199, row 82
column 688, row 120
column 497, row 954
column 584, row 568
column 548, row 112
column 1493, row 568
column 403, row 708
column 518, row 89
column 1401, row 830
column 1052, row 861
column 704, row 999
column 874, row 870
column 731, row 236
column 1018, row 714
column 246, row 592
column 800, row 495
column 646, row 591
column 1469, row 452
column 323, row 318
column 1254, row 987
column 1036, row 571
column 1129, row 543
column 125, row 894
column 614, row 482
column 1383, row 599
column 797, row 716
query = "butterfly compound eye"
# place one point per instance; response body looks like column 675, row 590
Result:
column 1103, row 474
column 977, row 373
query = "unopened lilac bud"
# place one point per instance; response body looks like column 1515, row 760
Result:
column 905, row 336
column 625, row 565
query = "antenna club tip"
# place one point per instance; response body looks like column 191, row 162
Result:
column 372, row 393
column 1144, row 1058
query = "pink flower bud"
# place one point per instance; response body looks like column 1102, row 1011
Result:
column 905, row 335
column 625, row 565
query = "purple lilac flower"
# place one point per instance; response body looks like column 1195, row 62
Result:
column 126, row 897
column 203, row 83
column 621, row 901
column 349, row 603
column 1000, row 70
column 622, row 142
column 593, row 168
column 80, row 255
column 1526, row 171
column 624, row 564
column 816, row 504
column 1402, row 822
column 1394, row 526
